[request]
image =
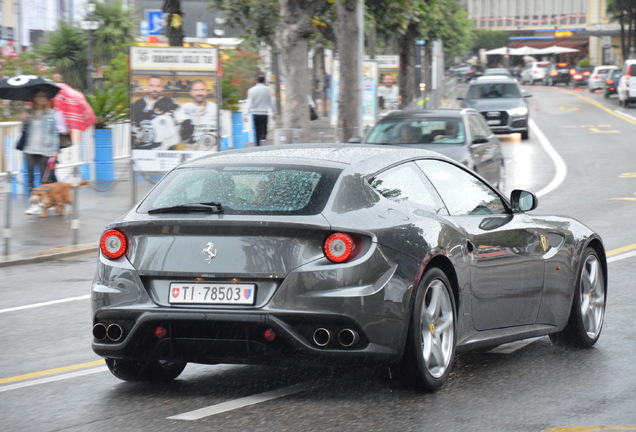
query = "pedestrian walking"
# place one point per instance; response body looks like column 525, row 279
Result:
column 42, row 142
column 260, row 103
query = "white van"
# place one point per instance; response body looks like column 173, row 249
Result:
column 627, row 84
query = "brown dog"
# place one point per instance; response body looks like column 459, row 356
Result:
column 54, row 195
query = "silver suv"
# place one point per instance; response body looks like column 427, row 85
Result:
column 502, row 103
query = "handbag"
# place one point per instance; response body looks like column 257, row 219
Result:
column 65, row 141
column 313, row 115
column 24, row 137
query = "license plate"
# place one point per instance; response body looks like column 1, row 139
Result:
column 212, row 293
column 494, row 122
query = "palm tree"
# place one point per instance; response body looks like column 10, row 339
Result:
column 66, row 47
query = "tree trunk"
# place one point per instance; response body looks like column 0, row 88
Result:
column 407, row 64
column 174, row 22
column 292, row 38
column 320, row 80
column 347, row 31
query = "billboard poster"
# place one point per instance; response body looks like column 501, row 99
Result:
column 174, row 113
column 369, row 89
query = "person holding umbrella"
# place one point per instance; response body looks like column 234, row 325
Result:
column 42, row 143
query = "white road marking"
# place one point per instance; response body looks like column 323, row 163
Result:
column 53, row 378
column 621, row 256
column 561, row 168
column 624, row 114
column 52, row 302
column 240, row 403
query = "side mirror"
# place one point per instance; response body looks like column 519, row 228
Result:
column 523, row 201
column 480, row 139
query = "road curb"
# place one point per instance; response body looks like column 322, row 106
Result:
column 48, row 255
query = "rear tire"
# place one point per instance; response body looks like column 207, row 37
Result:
column 430, row 349
column 152, row 371
column 588, row 305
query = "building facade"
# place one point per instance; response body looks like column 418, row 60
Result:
column 579, row 24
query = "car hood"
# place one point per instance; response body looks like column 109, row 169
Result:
column 494, row 104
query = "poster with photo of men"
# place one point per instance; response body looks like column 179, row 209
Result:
column 174, row 110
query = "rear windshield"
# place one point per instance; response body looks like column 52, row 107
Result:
column 418, row 131
column 263, row 189
column 493, row 91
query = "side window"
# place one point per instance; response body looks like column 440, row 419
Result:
column 478, row 126
column 405, row 183
column 463, row 193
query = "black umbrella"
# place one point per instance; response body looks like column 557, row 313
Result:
column 22, row 87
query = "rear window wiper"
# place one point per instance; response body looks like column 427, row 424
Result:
column 205, row 207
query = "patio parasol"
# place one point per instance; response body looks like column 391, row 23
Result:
column 22, row 87
column 73, row 105
column 555, row 49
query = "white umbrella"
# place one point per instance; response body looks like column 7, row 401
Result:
column 524, row 50
column 500, row 51
column 555, row 49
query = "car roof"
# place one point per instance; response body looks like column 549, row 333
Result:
column 494, row 78
column 372, row 157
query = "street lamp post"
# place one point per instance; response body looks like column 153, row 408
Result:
column 90, row 23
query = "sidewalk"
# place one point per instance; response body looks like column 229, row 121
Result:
column 34, row 239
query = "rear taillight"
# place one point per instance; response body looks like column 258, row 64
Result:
column 339, row 247
column 555, row 73
column 113, row 244
column 572, row 71
column 610, row 82
column 596, row 77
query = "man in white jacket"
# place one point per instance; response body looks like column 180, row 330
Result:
column 260, row 104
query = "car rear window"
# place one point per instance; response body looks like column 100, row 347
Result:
column 262, row 189
column 431, row 130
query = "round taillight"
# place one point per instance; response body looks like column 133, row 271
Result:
column 339, row 247
column 113, row 244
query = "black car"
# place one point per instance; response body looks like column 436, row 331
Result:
column 557, row 73
column 579, row 76
column 460, row 134
column 611, row 83
column 502, row 102
column 465, row 73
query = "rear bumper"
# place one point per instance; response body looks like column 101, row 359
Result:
column 211, row 338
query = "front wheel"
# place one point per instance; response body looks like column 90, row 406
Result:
column 432, row 336
column 157, row 371
column 588, row 306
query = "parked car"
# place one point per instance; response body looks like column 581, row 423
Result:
column 533, row 72
column 502, row 102
column 611, row 82
column 461, row 134
column 596, row 79
column 337, row 253
column 497, row 71
column 579, row 75
column 627, row 84
column 557, row 73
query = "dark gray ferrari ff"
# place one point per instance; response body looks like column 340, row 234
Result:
column 340, row 252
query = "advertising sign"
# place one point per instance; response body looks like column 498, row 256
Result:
column 369, row 90
column 174, row 111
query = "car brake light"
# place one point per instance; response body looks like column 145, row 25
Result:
column 554, row 72
column 113, row 244
column 339, row 247
column 627, row 75
column 609, row 81
column 596, row 77
column 572, row 71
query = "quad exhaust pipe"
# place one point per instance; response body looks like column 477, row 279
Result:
column 346, row 337
column 114, row 332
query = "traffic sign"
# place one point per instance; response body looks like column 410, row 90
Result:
column 155, row 22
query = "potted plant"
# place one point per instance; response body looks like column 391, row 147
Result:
column 111, row 107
